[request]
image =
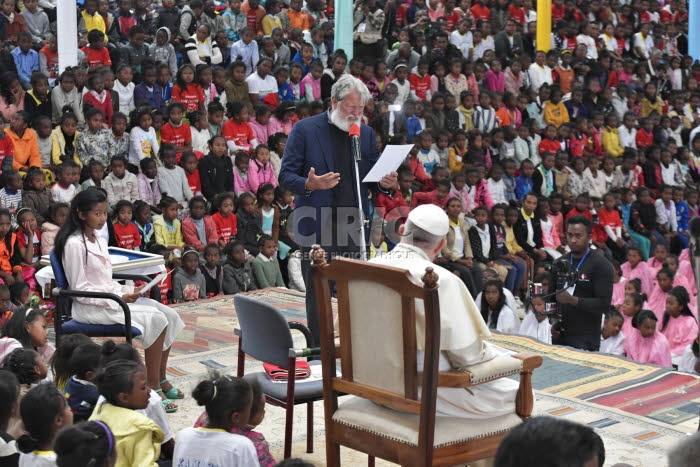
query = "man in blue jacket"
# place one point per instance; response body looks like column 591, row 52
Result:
column 317, row 167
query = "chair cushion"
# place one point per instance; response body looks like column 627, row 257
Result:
column 493, row 369
column 97, row 330
column 303, row 392
column 365, row 415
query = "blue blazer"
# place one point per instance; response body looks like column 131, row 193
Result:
column 309, row 145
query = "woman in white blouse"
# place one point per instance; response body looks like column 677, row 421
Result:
column 85, row 258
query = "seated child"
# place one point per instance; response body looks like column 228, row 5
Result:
column 157, row 408
column 29, row 241
column 198, row 229
column 6, row 305
column 96, row 173
column 12, row 264
column 536, row 323
column 266, row 267
column 213, row 271
column 494, row 310
column 647, row 344
column 678, row 324
column 257, row 413
column 120, row 184
column 63, row 191
column 249, row 223
column 26, row 329
column 149, row 189
column 142, row 221
column 188, row 282
column 88, row 443
column 10, row 427
column 238, row 274
column 27, row 366
column 11, row 194
column 19, row 294
column 166, row 226
column 240, row 174
column 123, row 384
column 60, row 363
column 224, row 219
column 44, row 412
column 188, row 162
column 81, row 393
column 36, row 195
column 126, row 234
column 612, row 339
column 228, row 406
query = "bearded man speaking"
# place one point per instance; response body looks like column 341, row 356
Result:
column 318, row 167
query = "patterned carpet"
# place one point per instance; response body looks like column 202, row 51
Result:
column 639, row 410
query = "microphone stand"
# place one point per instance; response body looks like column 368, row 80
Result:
column 357, row 154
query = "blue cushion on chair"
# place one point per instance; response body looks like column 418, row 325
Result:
column 97, row 330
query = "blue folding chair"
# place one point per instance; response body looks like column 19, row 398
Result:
column 64, row 324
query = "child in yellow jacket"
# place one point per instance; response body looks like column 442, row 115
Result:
column 611, row 137
column 137, row 437
column 555, row 112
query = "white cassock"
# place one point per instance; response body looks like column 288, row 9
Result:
column 540, row 331
column 462, row 334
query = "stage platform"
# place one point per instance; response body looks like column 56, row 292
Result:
column 639, row 410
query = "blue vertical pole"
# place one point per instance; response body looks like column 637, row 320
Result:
column 343, row 29
column 694, row 29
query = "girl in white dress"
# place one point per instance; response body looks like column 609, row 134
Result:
column 228, row 402
column 536, row 323
column 495, row 312
column 612, row 340
column 87, row 265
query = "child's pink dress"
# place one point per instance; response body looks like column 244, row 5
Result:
column 641, row 272
column 618, row 297
column 654, row 350
column 680, row 332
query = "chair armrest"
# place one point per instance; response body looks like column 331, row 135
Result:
column 491, row 370
column 105, row 295
column 304, row 330
column 302, row 353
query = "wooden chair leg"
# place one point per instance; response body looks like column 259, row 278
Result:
column 288, row 431
column 332, row 453
column 370, row 461
column 310, row 427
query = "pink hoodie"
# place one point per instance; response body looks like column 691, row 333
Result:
column 259, row 174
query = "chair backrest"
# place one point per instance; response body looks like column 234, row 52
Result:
column 58, row 272
column 377, row 311
column 265, row 331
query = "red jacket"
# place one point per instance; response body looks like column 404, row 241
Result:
column 428, row 198
column 105, row 106
column 391, row 207
column 189, row 232
column 644, row 139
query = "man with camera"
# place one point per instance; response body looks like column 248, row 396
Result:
column 587, row 281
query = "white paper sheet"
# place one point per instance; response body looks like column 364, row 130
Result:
column 159, row 278
column 388, row 162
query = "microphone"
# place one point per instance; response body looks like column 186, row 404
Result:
column 355, row 137
column 694, row 228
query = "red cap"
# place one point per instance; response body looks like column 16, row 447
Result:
column 354, row 130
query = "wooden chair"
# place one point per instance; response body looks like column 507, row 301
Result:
column 390, row 417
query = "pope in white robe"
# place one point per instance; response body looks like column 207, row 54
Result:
column 463, row 331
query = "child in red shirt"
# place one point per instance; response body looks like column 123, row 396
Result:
column 126, row 233
column 611, row 226
column 7, row 149
column 420, row 82
column 188, row 161
column 224, row 219
column 96, row 53
column 645, row 135
column 237, row 131
column 175, row 131
column 99, row 97
column 550, row 143
column 187, row 91
column 28, row 233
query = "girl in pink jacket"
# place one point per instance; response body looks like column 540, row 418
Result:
column 260, row 170
column 198, row 211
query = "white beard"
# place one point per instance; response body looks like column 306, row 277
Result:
column 342, row 123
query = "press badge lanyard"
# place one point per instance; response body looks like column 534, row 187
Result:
column 571, row 260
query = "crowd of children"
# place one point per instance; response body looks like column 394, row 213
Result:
column 180, row 114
